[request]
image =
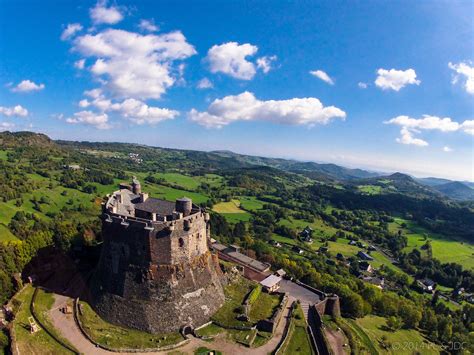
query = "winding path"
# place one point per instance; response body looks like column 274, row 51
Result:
column 68, row 328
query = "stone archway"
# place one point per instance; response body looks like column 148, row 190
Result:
column 187, row 330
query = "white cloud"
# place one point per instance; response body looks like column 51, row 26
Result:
column 103, row 14
column 411, row 126
column 265, row 63
column 231, row 58
column 84, row 103
column 140, row 113
column 205, row 83
column 148, row 25
column 18, row 111
column 322, row 75
column 447, row 149
column 245, row 107
column 395, row 79
column 464, row 71
column 406, row 137
column 70, row 30
column 94, row 93
column 5, row 126
column 427, row 122
column 80, row 64
column 362, row 85
column 27, row 86
column 99, row 121
column 468, row 127
column 134, row 65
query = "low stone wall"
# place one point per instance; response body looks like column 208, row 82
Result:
column 148, row 350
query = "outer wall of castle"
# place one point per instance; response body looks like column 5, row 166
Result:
column 157, row 280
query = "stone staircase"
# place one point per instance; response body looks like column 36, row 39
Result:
column 305, row 308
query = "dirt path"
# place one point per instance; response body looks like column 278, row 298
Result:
column 69, row 330
column 336, row 341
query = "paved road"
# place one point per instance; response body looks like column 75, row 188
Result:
column 298, row 292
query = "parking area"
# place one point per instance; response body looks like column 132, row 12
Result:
column 298, row 292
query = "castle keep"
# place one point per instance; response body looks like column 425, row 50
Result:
column 155, row 271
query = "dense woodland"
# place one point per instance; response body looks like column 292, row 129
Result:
column 33, row 162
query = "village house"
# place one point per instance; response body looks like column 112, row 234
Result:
column 364, row 256
column 364, row 266
column 426, row 284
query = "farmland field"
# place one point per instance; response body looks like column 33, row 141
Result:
column 445, row 249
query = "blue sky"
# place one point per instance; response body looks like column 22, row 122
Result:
column 387, row 86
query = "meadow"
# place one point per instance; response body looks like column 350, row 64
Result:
column 445, row 249
column 402, row 341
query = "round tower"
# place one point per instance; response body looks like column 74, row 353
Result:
column 136, row 186
column 184, row 205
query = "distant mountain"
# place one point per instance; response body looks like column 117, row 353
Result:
column 432, row 181
column 309, row 169
column 456, row 190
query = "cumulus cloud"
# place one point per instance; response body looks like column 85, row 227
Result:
column 322, row 75
column 362, row 85
column 246, row 107
column 468, row 127
column 231, row 58
column 395, row 79
column 134, row 65
column 205, row 83
column 447, row 149
column 16, row 111
column 464, row 73
column 140, row 113
column 148, row 25
column 265, row 63
column 427, row 122
column 97, row 120
column 70, row 30
column 101, row 14
column 411, row 126
column 27, row 86
column 406, row 137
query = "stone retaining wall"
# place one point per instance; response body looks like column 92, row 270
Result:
column 148, row 350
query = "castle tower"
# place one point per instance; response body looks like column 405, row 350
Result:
column 155, row 271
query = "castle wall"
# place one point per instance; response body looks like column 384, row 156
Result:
column 157, row 277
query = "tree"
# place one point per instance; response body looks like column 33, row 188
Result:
column 394, row 323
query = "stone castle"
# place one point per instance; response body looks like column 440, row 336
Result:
column 155, row 271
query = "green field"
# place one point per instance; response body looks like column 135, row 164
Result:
column 191, row 182
column 445, row 249
column 232, row 206
column 117, row 337
column 403, row 341
column 5, row 234
column 370, row 189
column 251, row 203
